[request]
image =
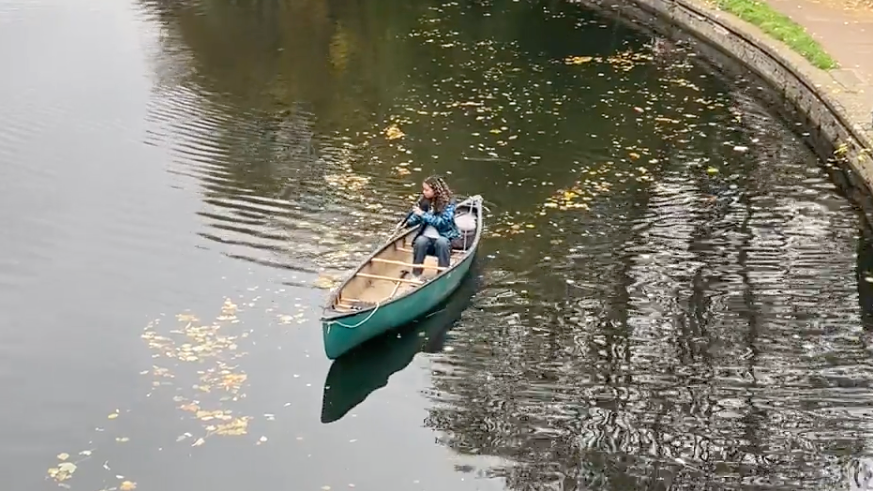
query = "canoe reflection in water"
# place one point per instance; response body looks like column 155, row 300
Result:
column 355, row 375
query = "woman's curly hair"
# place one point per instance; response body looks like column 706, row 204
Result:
column 442, row 195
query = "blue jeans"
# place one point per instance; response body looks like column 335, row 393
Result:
column 440, row 247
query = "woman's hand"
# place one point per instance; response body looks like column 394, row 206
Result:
column 417, row 211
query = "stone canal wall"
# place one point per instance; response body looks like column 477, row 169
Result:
column 831, row 110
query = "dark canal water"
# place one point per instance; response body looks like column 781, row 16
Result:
column 671, row 294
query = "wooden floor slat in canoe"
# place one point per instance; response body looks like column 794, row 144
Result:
column 455, row 252
column 387, row 278
column 402, row 263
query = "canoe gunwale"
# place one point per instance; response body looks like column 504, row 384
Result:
column 330, row 317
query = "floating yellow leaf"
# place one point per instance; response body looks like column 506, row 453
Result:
column 393, row 132
column 112, row 416
column 578, row 60
column 228, row 311
column 127, row 486
column 210, row 415
column 233, row 380
column 62, row 472
column 236, row 427
column 191, row 408
column 63, row 456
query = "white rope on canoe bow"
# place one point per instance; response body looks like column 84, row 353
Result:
column 331, row 323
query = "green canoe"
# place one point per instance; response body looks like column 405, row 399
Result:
column 367, row 368
column 377, row 297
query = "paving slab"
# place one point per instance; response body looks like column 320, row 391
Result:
column 845, row 29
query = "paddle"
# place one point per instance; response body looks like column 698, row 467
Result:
column 394, row 233
column 401, row 224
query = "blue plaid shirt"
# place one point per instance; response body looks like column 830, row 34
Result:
column 444, row 221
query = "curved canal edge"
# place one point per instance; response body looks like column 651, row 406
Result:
column 836, row 113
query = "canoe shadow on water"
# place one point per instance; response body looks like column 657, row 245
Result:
column 355, row 375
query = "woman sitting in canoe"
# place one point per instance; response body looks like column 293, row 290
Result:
column 436, row 210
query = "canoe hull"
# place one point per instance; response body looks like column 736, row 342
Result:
column 342, row 335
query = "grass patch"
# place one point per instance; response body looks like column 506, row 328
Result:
column 780, row 27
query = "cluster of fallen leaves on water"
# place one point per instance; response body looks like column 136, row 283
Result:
column 355, row 164
column 393, row 132
column 677, row 113
column 206, row 354
column 623, row 61
column 485, row 106
column 212, row 350
column 346, row 180
column 65, row 469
